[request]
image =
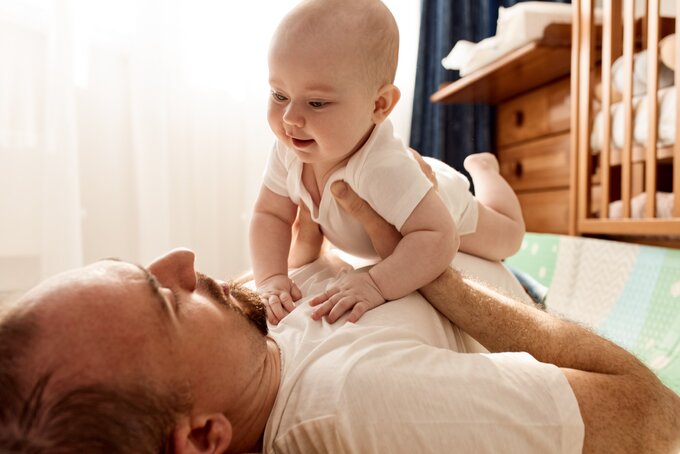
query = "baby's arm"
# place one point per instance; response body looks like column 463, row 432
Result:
column 307, row 239
column 429, row 243
column 270, row 237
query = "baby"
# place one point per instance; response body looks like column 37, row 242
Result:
column 331, row 70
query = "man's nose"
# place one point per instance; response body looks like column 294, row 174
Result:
column 176, row 268
column 293, row 116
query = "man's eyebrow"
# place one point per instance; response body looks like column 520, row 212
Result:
column 151, row 279
column 155, row 288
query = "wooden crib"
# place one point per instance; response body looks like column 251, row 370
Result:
column 630, row 188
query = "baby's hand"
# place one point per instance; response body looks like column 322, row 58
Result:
column 278, row 293
column 353, row 291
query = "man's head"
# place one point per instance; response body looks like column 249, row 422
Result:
column 115, row 352
column 331, row 70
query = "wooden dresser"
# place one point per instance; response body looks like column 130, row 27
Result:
column 533, row 152
column 531, row 89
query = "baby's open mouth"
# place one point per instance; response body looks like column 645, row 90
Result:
column 300, row 143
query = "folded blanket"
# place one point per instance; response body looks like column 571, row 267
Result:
column 518, row 25
column 666, row 132
column 667, row 51
column 639, row 74
column 664, row 206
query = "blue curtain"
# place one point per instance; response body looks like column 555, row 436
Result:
column 450, row 132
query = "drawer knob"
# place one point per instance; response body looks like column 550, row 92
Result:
column 519, row 118
column 518, row 169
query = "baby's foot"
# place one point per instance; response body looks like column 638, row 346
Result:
column 481, row 162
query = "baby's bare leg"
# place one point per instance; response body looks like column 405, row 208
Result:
column 500, row 225
column 491, row 189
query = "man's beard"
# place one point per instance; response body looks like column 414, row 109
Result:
column 250, row 305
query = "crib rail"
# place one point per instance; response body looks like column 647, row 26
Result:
column 630, row 171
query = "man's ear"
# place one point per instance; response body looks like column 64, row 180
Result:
column 387, row 98
column 202, row 434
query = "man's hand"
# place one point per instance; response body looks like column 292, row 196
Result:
column 425, row 168
column 278, row 293
column 384, row 236
column 353, row 291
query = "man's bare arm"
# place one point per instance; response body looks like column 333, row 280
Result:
column 624, row 406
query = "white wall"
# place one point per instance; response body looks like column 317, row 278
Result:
column 217, row 134
column 407, row 15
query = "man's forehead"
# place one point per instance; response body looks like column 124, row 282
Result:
column 94, row 317
column 101, row 278
column 114, row 266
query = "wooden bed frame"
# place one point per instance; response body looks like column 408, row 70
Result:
column 620, row 174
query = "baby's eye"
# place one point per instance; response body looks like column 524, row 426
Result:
column 317, row 104
column 278, row 97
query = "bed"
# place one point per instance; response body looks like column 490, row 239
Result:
column 625, row 122
column 628, row 293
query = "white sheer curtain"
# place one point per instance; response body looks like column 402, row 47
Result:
column 130, row 127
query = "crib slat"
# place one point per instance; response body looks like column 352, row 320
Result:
column 628, row 50
column 574, row 135
column 585, row 53
column 611, row 49
column 676, row 153
column 643, row 23
column 652, row 107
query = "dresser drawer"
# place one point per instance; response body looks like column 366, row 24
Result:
column 546, row 211
column 538, row 164
column 536, row 114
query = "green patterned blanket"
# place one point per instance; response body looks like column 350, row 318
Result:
column 628, row 293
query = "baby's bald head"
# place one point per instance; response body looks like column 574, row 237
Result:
column 366, row 28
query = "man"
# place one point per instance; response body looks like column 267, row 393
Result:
column 119, row 358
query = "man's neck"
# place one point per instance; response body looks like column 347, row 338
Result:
column 249, row 428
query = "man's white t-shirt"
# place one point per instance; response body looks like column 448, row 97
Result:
column 404, row 379
column 385, row 174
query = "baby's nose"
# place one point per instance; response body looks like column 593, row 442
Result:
column 293, row 117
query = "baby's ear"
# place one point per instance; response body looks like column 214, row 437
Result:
column 387, row 97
